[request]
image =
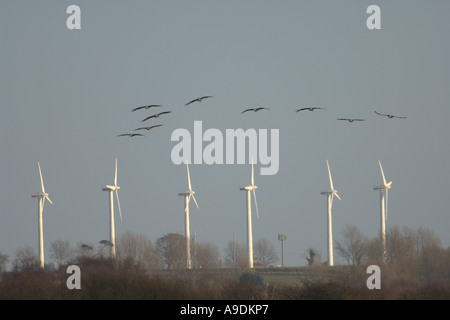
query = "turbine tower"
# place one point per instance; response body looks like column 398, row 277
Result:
column 249, row 189
column 41, row 200
column 330, row 194
column 383, row 209
column 187, row 196
column 111, row 190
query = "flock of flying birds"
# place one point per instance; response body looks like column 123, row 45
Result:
column 199, row 99
column 156, row 115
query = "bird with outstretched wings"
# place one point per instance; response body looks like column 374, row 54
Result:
column 351, row 120
column 148, row 128
column 198, row 99
column 309, row 108
column 390, row 116
column 156, row 115
column 130, row 134
column 255, row 109
column 147, row 107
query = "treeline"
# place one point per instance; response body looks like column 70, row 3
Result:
column 416, row 267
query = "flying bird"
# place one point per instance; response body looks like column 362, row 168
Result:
column 309, row 108
column 390, row 116
column 198, row 99
column 351, row 120
column 255, row 109
column 130, row 134
column 156, row 115
column 148, row 128
column 147, row 107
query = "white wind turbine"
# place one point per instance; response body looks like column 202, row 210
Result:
column 330, row 194
column 249, row 189
column 383, row 209
column 111, row 190
column 41, row 200
column 187, row 196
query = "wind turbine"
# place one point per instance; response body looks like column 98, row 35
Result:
column 111, row 190
column 249, row 189
column 383, row 208
column 330, row 194
column 187, row 196
column 41, row 200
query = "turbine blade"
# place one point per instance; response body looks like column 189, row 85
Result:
column 193, row 197
column 256, row 203
column 329, row 175
column 115, row 175
column 253, row 176
column 49, row 199
column 118, row 203
column 189, row 177
column 382, row 173
column 42, row 181
column 338, row 196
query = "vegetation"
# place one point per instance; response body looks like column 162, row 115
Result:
column 417, row 267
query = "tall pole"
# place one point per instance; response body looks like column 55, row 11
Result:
column 330, row 235
column 41, row 232
column 195, row 250
column 282, row 238
column 234, row 249
column 112, row 232
column 383, row 224
column 188, row 240
column 249, row 230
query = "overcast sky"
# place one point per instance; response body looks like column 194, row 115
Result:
column 65, row 95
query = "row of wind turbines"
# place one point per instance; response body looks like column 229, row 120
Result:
column 189, row 194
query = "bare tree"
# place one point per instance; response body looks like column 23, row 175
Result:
column 264, row 252
column 61, row 252
column 399, row 247
column 206, row 255
column 172, row 248
column 3, row 260
column 353, row 247
column 26, row 259
column 235, row 255
column 135, row 251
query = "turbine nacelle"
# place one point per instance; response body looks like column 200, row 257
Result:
column 186, row 193
column 383, row 187
column 249, row 188
column 111, row 188
column 331, row 192
column 40, row 195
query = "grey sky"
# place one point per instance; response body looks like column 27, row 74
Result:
column 66, row 95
